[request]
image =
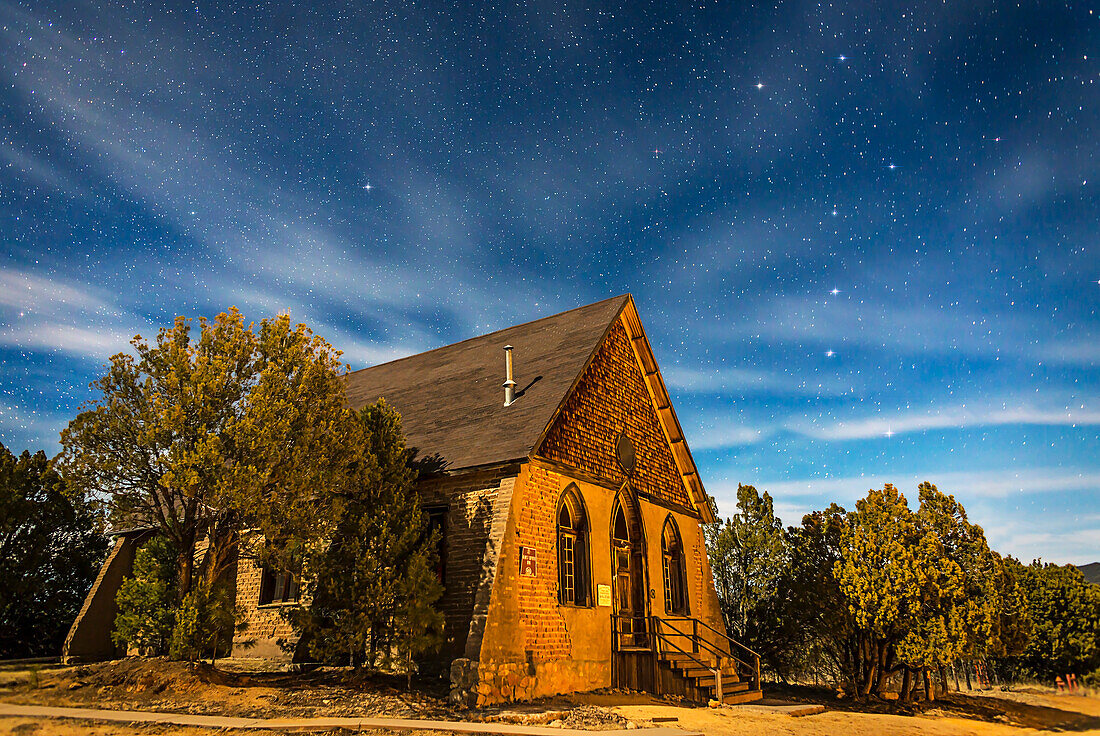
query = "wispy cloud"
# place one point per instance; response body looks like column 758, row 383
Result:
column 888, row 424
column 57, row 316
column 263, row 232
column 741, row 381
column 721, row 434
column 16, row 422
column 974, row 484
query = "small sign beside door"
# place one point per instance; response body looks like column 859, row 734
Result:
column 603, row 595
column 527, row 564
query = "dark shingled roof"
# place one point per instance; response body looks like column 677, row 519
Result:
column 451, row 399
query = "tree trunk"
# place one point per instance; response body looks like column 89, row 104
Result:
column 870, row 662
column 955, row 672
column 882, row 667
column 929, row 691
column 906, row 681
column 966, row 669
column 185, row 565
column 943, row 678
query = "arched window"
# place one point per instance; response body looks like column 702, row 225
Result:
column 573, row 587
column 675, row 572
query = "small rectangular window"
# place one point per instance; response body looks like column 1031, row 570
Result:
column 568, row 562
column 437, row 521
column 278, row 586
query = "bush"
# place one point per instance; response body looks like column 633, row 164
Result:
column 204, row 622
column 146, row 615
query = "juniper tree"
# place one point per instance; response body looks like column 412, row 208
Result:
column 230, row 430
column 373, row 587
column 146, row 605
column 751, row 566
column 51, row 545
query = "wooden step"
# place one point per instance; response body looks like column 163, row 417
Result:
column 728, row 673
column 744, row 696
column 727, row 687
column 685, row 660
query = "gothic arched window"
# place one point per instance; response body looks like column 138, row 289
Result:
column 674, row 569
column 573, row 586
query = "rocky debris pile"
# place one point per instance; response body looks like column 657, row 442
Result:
column 594, row 718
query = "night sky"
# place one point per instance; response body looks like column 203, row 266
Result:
column 862, row 236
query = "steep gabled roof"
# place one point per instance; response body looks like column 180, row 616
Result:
column 451, row 399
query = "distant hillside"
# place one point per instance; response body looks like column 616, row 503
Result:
column 1091, row 571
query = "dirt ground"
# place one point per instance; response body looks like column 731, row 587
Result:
column 158, row 685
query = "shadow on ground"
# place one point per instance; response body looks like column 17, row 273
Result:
column 957, row 705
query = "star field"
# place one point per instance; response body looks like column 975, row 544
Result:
column 862, row 237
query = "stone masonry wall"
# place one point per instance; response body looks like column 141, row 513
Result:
column 612, row 397
column 470, row 499
column 267, row 629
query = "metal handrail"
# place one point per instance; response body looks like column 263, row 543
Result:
column 699, row 640
column 727, row 637
column 716, row 671
column 753, row 668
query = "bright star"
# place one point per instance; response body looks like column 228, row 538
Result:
column 892, row 167
column 829, row 353
column 835, row 291
column 889, row 433
column 842, row 57
column 368, row 187
column 760, row 85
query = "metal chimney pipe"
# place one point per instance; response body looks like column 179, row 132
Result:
column 509, row 384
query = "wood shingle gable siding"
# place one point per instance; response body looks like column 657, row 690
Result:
column 612, row 398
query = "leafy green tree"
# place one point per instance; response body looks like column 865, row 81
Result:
column 751, row 566
column 204, row 622
column 51, row 546
column 880, row 574
column 146, row 606
column 1013, row 625
column 829, row 639
column 372, row 588
column 229, row 432
column 1065, row 613
column 417, row 622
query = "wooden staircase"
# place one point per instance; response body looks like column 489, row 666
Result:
column 694, row 660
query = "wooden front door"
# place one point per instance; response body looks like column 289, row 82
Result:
column 628, row 582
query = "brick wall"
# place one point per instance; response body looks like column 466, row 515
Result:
column 532, row 645
column 612, row 397
column 541, row 617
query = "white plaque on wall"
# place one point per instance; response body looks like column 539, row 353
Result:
column 603, row 595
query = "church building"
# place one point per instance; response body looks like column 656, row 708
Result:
column 571, row 515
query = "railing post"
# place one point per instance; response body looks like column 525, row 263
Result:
column 718, row 684
column 757, row 662
column 655, row 647
column 695, row 636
